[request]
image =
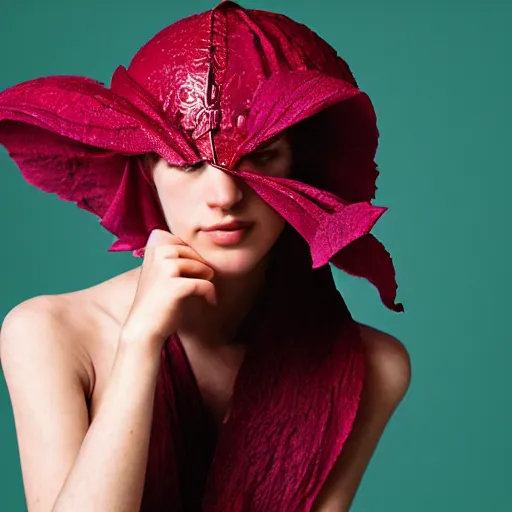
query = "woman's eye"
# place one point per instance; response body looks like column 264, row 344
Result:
column 263, row 157
column 194, row 167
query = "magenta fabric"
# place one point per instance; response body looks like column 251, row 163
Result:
column 213, row 87
column 294, row 402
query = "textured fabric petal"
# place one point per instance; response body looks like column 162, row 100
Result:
column 287, row 98
column 325, row 222
column 73, row 137
column 336, row 148
column 366, row 257
column 52, row 163
column 78, row 108
column 164, row 133
column 134, row 211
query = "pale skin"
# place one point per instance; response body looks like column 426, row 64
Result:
column 72, row 360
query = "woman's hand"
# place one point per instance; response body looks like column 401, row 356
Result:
column 171, row 271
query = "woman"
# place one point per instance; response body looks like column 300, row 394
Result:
column 236, row 156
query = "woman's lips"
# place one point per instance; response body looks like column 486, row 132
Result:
column 227, row 236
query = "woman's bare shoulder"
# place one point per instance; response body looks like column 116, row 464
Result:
column 41, row 317
column 388, row 358
column 70, row 323
column 37, row 338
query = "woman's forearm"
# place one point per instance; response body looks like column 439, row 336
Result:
column 109, row 472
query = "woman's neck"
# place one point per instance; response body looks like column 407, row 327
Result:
column 215, row 326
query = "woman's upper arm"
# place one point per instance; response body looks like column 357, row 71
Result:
column 47, row 396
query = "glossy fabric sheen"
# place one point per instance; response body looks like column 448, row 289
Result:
column 213, row 87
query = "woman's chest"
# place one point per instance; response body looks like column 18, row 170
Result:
column 211, row 371
column 214, row 371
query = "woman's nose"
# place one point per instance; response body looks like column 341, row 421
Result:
column 222, row 190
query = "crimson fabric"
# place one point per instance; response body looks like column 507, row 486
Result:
column 213, row 87
column 294, row 402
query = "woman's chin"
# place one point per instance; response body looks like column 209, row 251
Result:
column 232, row 263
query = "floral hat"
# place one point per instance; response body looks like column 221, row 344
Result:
column 212, row 87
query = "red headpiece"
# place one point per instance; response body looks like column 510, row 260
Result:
column 212, row 87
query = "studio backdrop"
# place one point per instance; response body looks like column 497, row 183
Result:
column 439, row 76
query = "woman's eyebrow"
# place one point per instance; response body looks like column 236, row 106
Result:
column 270, row 142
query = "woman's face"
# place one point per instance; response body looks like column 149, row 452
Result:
column 197, row 199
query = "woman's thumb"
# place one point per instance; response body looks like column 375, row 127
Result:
column 158, row 237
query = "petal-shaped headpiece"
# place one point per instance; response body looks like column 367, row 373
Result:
column 212, row 87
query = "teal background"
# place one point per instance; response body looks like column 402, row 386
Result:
column 439, row 75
